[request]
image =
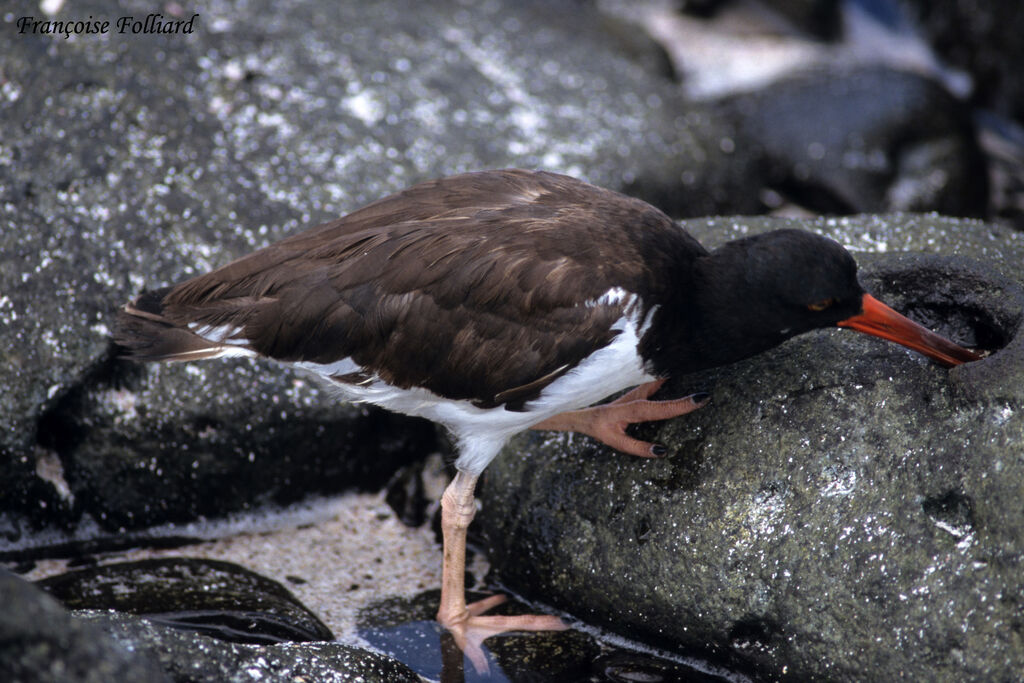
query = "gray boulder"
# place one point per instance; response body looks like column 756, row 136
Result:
column 215, row 598
column 865, row 140
column 843, row 509
column 41, row 642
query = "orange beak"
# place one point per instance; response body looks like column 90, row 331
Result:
column 879, row 320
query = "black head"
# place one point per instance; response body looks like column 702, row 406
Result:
column 754, row 293
column 793, row 280
column 757, row 292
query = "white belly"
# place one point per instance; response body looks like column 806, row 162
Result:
column 481, row 432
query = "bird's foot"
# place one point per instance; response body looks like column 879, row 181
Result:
column 471, row 627
column 607, row 423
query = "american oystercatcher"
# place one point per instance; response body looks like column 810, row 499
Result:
column 499, row 301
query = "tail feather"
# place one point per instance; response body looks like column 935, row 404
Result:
column 143, row 333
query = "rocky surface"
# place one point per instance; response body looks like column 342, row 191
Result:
column 880, row 140
column 334, row 559
column 858, row 106
column 981, row 38
column 41, row 641
column 216, row 598
column 186, row 656
column 843, row 509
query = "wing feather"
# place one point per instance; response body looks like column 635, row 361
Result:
column 483, row 286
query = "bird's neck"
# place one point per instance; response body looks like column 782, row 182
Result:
column 708, row 318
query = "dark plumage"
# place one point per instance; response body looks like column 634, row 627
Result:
column 484, row 264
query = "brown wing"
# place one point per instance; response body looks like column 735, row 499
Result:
column 471, row 286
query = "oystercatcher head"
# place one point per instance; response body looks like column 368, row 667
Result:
column 500, row 301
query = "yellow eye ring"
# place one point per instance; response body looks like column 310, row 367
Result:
column 821, row 305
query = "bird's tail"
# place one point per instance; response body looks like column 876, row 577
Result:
column 142, row 332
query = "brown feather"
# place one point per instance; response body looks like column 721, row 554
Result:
column 470, row 286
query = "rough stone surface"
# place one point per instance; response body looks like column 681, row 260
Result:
column 40, row 642
column 980, row 37
column 843, row 509
column 141, row 446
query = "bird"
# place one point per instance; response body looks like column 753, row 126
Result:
column 493, row 302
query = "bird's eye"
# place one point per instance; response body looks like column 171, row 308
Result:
column 821, row 305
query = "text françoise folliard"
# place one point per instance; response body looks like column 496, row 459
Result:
column 152, row 24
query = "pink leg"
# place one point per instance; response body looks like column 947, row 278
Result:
column 607, row 423
column 465, row 621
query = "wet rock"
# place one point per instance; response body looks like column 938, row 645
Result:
column 176, row 153
column 819, row 18
column 141, row 446
column 860, row 119
column 40, row 642
column 190, row 657
column 971, row 301
column 406, row 630
column 982, row 38
column 218, row 599
column 865, row 140
column 622, row 666
column 842, row 509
